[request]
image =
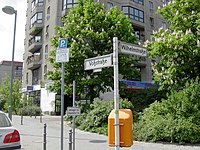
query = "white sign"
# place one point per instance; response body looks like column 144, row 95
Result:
column 62, row 55
column 98, row 62
column 132, row 49
column 73, row 111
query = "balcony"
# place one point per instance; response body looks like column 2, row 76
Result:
column 34, row 61
column 36, row 28
column 37, row 8
column 35, row 44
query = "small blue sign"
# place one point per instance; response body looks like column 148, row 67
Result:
column 62, row 43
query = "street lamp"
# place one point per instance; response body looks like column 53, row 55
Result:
column 10, row 10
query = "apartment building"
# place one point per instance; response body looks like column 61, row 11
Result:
column 44, row 15
column 5, row 70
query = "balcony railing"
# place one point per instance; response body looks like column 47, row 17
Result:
column 36, row 28
column 34, row 61
column 35, row 44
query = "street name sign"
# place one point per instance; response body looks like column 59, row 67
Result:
column 73, row 111
column 98, row 62
column 62, row 55
column 132, row 49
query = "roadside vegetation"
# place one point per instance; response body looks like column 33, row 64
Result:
column 20, row 104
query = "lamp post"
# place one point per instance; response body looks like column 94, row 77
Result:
column 10, row 10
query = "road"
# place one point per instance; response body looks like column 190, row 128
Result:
column 32, row 137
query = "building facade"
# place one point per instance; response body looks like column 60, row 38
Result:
column 5, row 70
column 44, row 15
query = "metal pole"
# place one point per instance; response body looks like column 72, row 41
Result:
column 116, row 92
column 21, row 117
column 12, row 70
column 45, row 137
column 62, row 104
column 70, row 139
column 74, row 96
column 40, row 116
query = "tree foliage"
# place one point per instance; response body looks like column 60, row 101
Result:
column 5, row 94
column 179, row 47
column 90, row 29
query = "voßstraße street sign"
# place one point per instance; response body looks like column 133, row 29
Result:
column 98, row 62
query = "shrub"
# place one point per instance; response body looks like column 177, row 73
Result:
column 96, row 118
column 30, row 110
column 176, row 119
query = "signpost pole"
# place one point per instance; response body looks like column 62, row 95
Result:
column 62, row 55
column 116, row 92
column 74, row 96
column 62, row 104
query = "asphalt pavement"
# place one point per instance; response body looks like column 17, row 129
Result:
column 32, row 132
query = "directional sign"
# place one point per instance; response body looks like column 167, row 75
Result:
column 73, row 111
column 132, row 49
column 62, row 55
column 62, row 43
column 98, row 62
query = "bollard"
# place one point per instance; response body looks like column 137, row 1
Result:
column 21, row 118
column 70, row 139
column 31, row 113
column 45, row 138
column 40, row 116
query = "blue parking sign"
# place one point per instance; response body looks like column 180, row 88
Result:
column 62, row 43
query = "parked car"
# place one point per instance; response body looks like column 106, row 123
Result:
column 9, row 135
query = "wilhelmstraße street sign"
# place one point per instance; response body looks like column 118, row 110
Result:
column 62, row 55
column 132, row 49
column 73, row 111
column 98, row 62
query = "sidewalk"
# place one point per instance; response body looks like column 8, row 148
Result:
column 32, row 137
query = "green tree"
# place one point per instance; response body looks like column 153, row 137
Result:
column 179, row 47
column 90, row 29
column 5, row 94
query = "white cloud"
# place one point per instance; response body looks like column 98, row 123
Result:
column 7, row 30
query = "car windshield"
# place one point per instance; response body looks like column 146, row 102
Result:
column 4, row 121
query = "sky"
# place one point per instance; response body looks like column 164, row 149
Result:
column 7, row 30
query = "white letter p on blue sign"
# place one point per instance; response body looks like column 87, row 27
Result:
column 62, row 43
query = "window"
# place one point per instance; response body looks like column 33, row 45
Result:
column 137, row 34
column 27, row 78
column 36, row 3
column 133, row 13
column 66, row 4
column 37, row 18
column 47, row 32
column 109, row 5
column 151, row 21
column 164, row 25
column 38, row 38
column 35, row 39
column 48, row 13
column 19, row 67
column 45, row 72
column 35, row 76
column 164, row 2
column 139, row 1
column 150, row 6
column 4, row 121
column 46, row 51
